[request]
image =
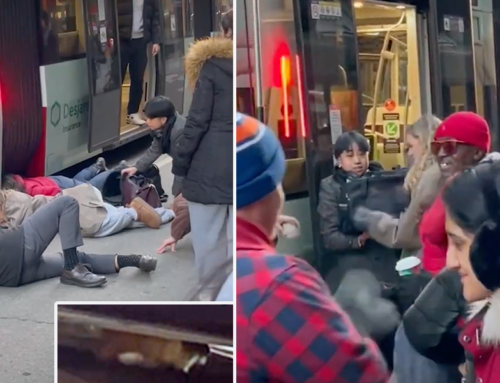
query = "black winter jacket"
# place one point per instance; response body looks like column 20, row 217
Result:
column 150, row 17
column 204, row 154
column 340, row 238
column 157, row 149
column 431, row 324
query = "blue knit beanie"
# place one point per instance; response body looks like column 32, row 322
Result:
column 260, row 161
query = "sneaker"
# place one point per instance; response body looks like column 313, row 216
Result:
column 135, row 119
column 100, row 164
column 146, row 213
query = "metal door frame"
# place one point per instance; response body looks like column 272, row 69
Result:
column 92, row 147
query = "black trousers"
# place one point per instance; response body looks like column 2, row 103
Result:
column 60, row 216
column 134, row 56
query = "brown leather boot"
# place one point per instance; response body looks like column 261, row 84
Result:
column 145, row 213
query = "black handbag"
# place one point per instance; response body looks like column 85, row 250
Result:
column 380, row 191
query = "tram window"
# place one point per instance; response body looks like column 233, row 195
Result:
column 219, row 7
column 62, row 31
column 187, row 10
column 484, row 69
column 280, row 80
column 456, row 53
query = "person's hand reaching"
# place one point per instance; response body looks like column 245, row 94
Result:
column 169, row 242
column 129, row 171
column 288, row 226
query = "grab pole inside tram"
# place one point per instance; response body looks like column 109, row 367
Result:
column 259, row 107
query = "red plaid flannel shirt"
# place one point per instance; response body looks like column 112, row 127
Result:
column 289, row 329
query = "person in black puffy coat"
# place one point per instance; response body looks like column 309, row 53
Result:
column 426, row 346
column 204, row 153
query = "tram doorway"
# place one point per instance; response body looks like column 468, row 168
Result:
column 389, row 71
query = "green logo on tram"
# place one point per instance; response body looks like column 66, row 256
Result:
column 71, row 114
column 55, row 114
column 391, row 129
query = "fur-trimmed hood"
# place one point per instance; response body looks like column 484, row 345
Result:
column 216, row 49
column 490, row 333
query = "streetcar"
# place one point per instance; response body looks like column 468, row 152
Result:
column 62, row 97
column 313, row 69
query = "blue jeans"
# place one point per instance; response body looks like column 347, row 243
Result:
column 122, row 218
column 411, row 367
column 90, row 175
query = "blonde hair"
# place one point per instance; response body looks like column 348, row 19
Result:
column 423, row 130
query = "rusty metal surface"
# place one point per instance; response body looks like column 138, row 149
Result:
column 80, row 367
column 213, row 320
column 93, row 339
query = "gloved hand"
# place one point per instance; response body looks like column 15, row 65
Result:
column 360, row 295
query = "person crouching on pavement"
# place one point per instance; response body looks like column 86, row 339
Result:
column 166, row 126
column 22, row 247
column 282, row 302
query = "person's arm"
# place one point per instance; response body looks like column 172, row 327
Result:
column 300, row 335
column 197, row 123
column 151, row 155
column 431, row 323
column 328, row 209
column 156, row 37
column 181, row 225
column 395, row 233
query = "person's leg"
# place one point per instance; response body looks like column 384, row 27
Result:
column 65, row 182
column 52, row 265
column 117, row 220
column 166, row 216
column 110, row 264
column 89, row 173
column 124, row 57
column 99, row 180
column 61, row 217
column 209, row 236
column 137, row 67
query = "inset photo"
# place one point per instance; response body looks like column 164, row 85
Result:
column 146, row 343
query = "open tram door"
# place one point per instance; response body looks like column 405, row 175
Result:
column 103, row 62
column 327, row 49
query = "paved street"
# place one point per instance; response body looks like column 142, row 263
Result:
column 27, row 313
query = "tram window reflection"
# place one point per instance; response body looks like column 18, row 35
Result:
column 62, row 31
column 280, row 80
column 484, row 56
column 456, row 52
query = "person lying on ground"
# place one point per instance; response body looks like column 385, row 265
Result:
column 97, row 218
column 22, row 247
column 96, row 174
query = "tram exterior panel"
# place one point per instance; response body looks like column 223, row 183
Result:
column 52, row 133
